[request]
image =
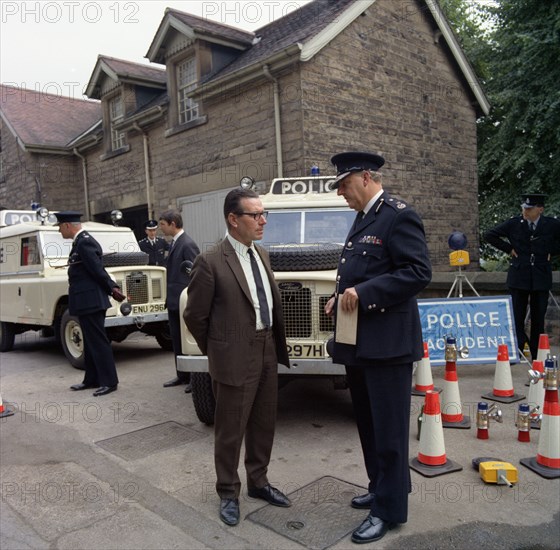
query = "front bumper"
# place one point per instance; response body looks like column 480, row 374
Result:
column 199, row 363
column 138, row 320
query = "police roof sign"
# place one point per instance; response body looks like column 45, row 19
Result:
column 479, row 323
column 300, row 186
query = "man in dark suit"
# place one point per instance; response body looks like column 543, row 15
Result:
column 384, row 265
column 234, row 312
column 531, row 239
column 182, row 252
column 89, row 288
column 154, row 246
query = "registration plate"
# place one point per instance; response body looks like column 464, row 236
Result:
column 306, row 351
column 148, row 308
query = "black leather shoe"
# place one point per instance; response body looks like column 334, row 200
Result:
column 188, row 388
column 79, row 387
column 363, row 501
column 229, row 511
column 104, row 390
column 173, row 382
column 271, row 495
column 371, row 529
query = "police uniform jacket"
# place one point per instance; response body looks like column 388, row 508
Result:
column 531, row 269
column 156, row 252
column 385, row 258
column 184, row 249
column 89, row 283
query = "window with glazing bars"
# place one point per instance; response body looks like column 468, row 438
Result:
column 186, row 81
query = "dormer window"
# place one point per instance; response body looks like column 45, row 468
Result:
column 116, row 114
column 186, row 82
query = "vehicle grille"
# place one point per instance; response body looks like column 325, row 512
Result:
column 304, row 315
column 136, row 288
column 156, row 289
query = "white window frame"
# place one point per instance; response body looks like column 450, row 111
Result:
column 186, row 76
column 116, row 114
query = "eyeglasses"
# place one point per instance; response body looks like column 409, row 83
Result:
column 255, row 215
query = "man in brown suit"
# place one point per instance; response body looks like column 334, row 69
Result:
column 234, row 312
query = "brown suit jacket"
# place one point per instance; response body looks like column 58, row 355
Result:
column 221, row 316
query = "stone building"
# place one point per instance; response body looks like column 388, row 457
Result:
column 218, row 103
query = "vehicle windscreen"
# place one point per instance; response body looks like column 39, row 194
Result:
column 308, row 226
column 55, row 247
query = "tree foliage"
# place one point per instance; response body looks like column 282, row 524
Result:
column 514, row 46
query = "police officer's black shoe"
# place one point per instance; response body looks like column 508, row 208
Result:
column 371, row 529
column 363, row 501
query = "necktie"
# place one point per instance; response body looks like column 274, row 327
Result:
column 531, row 226
column 261, row 294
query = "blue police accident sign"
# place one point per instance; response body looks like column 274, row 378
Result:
column 479, row 323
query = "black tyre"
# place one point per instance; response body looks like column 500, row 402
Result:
column 304, row 257
column 72, row 340
column 125, row 259
column 164, row 338
column 7, row 336
column 203, row 397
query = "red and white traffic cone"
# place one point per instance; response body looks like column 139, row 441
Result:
column 535, row 397
column 543, row 350
column 432, row 460
column 503, row 385
column 423, row 377
column 547, row 461
column 4, row 410
column 452, row 411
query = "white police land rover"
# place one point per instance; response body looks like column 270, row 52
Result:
column 306, row 227
column 34, row 283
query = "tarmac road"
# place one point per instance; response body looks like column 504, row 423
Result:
column 63, row 485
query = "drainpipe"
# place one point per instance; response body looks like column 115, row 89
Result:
column 146, row 169
column 84, row 174
column 277, row 127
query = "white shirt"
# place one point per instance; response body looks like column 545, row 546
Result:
column 176, row 236
column 372, row 202
column 242, row 252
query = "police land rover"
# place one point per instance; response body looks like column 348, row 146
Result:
column 306, row 227
column 34, row 283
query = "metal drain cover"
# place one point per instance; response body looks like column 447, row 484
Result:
column 147, row 441
column 320, row 514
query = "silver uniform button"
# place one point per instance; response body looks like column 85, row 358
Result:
column 349, row 243
column 338, row 277
column 343, row 261
column 369, row 307
column 382, row 310
column 364, row 253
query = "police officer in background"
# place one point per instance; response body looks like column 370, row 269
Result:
column 89, row 287
column 531, row 239
column 384, row 265
column 156, row 247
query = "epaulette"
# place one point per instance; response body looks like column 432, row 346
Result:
column 396, row 203
column 145, row 239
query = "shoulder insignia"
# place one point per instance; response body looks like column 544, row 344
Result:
column 396, row 203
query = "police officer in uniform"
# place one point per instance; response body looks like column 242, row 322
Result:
column 383, row 266
column 156, row 247
column 531, row 239
column 89, row 288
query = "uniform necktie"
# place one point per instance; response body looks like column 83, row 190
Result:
column 531, row 226
column 261, row 294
